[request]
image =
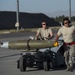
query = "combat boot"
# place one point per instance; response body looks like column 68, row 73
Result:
column 68, row 67
column 71, row 67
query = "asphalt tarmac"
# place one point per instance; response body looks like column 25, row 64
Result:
column 9, row 57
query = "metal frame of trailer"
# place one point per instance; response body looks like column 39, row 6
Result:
column 47, row 58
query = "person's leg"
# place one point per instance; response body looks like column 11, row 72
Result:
column 71, row 56
column 66, row 55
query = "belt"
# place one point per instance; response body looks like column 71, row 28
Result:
column 72, row 43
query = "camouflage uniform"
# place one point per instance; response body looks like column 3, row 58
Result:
column 68, row 36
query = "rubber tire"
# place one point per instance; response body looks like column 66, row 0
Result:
column 46, row 66
column 22, row 64
column 51, row 65
column 18, row 64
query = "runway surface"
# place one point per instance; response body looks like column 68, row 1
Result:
column 9, row 57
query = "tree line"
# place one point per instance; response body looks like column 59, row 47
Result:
column 60, row 18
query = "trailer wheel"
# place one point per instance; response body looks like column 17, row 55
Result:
column 22, row 64
column 46, row 66
column 51, row 65
column 18, row 64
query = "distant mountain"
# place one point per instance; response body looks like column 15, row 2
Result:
column 26, row 20
column 59, row 13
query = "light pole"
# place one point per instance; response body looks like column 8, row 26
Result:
column 17, row 16
column 69, row 9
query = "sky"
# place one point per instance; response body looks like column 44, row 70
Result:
column 37, row 6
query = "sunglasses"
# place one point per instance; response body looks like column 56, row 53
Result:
column 43, row 24
column 66, row 23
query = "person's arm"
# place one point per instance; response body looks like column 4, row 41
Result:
column 59, row 33
column 50, row 34
column 57, row 37
column 56, row 41
column 37, row 34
